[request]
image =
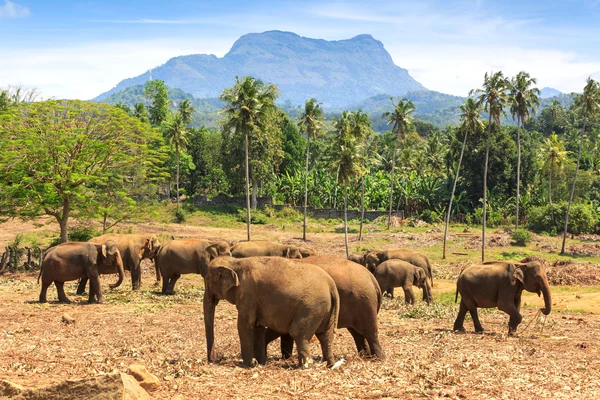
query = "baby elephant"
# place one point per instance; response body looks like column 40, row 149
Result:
column 398, row 273
column 499, row 284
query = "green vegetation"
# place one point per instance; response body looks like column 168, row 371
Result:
column 521, row 237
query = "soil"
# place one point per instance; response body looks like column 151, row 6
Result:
column 558, row 358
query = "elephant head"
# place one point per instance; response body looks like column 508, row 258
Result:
column 220, row 280
column 420, row 280
column 109, row 256
column 206, row 256
column 358, row 258
column 293, row 252
column 372, row 261
column 151, row 247
column 533, row 278
column 307, row 252
column 223, row 248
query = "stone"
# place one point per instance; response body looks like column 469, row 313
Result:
column 145, row 378
column 67, row 319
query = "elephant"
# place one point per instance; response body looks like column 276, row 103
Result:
column 307, row 252
column 358, row 258
column 290, row 298
column 186, row 256
column 360, row 301
column 398, row 273
column 73, row 260
column 500, row 284
column 265, row 248
column 133, row 249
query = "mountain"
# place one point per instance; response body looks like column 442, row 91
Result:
column 337, row 73
column 548, row 92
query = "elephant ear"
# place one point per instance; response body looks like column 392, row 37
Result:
column 517, row 275
column 227, row 279
column 103, row 250
column 213, row 251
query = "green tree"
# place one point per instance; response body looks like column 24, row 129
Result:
column 493, row 96
column 311, row 123
column 523, row 101
column 156, row 92
column 186, row 110
column 588, row 106
column 177, row 136
column 360, row 129
column 57, row 154
column 470, row 122
column 248, row 105
column 554, row 156
column 399, row 118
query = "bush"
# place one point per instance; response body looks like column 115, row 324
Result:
column 521, row 237
column 256, row 217
column 180, row 215
column 494, row 218
column 582, row 219
column 431, row 217
column 82, row 233
column 287, row 212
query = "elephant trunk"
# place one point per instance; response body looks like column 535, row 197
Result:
column 209, row 304
column 545, row 288
column 119, row 262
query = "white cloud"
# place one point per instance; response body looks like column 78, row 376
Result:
column 13, row 10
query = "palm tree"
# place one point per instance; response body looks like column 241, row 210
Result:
column 588, row 104
column 311, row 122
column 177, row 135
column 361, row 130
column 470, row 122
column 399, row 118
column 554, row 154
column 186, row 110
column 246, row 111
column 347, row 162
column 523, row 100
column 493, row 96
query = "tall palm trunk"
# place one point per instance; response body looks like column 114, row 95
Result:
column 550, row 194
column 562, row 251
column 462, row 152
column 362, row 206
column 392, row 186
column 346, row 219
column 306, row 185
column 518, row 165
column 177, row 176
column 485, row 171
column 247, row 187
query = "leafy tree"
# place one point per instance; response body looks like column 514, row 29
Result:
column 294, row 147
column 141, row 112
column 399, row 118
column 470, row 122
column 58, row 154
column 249, row 104
column 311, row 123
column 588, row 105
column 523, row 101
column 205, row 150
column 493, row 96
column 554, row 156
column 157, row 93
column 124, row 107
column 360, row 129
column 186, row 110
column 176, row 135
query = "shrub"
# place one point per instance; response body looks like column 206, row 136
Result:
column 82, row 233
column 431, row 216
column 582, row 218
column 521, row 237
column 180, row 215
column 256, row 217
column 287, row 212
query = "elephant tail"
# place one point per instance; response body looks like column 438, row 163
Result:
column 429, row 270
column 40, row 274
column 332, row 322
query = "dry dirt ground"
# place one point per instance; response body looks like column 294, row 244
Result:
column 555, row 358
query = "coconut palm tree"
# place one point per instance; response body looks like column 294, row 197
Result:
column 554, row 155
column 470, row 122
column 312, row 123
column 588, row 105
column 399, row 118
column 523, row 100
column 347, row 161
column 176, row 134
column 247, row 106
column 361, row 130
column 186, row 110
column 493, row 96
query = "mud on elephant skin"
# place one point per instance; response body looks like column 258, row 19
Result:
column 133, row 249
column 74, row 260
column 500, row 284
column 265, row 248
column 299, row 300
column 397, row 273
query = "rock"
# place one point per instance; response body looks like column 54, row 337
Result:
column 117, row 386
column 67, row 319
column 145, row 378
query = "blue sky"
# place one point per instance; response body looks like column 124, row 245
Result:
column 78, row 49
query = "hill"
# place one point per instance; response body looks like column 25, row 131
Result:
column 549, row 92
column 336, row 72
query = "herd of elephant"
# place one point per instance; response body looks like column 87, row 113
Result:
column 290, row 292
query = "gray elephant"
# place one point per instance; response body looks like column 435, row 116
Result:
column 265, row 248
column 307, row 252
column 186, row 256
column 358, row 258
column 360, row 301
column 500, row 284
column 299, row 300
column 133, row 249
column 398, row 273
column 74, row 260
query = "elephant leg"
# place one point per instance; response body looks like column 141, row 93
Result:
column 246, row 333
column 475, row 317
column 303, row 347
column 165, row 284
column 326, row 341
column 391, row 292
column 44, row 291
column 62, row 297
column 376, row 349
column 359, row 340
column 460, row 318
column 426, row 298
column 95, row 290
column 287, row 346
column 172, row 282
column 515, row 316
column 260, row 348
column 81, row 287
column 409, row 296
